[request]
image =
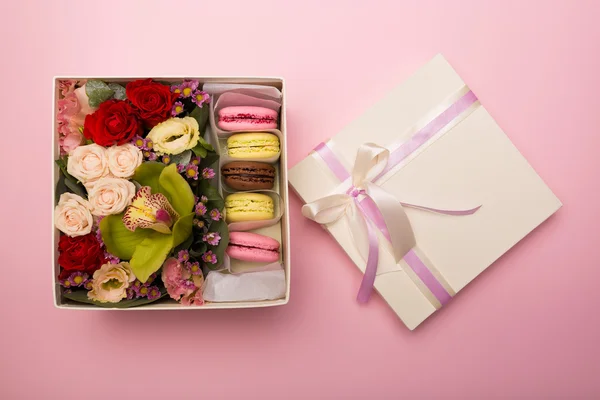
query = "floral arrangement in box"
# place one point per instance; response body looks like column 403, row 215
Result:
column 138, row 215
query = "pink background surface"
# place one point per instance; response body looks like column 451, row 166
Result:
column 525, row 328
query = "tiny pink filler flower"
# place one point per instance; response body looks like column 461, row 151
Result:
column 209, row 257
column 212, row 238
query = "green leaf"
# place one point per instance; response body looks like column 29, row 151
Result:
column 208, row 160
column 61, row 187
column 119, row 91
column 148, row 173
column 80, row 296
column 150, row 254
column 182, row 158
column 212, row 194
column 221, row 227
column 200, row 151
column 177, row 190
column 97, row 92
column 119, row 240
column 198, row 248
column 72, row 184
column 182, row 229
column 200, row 114
column 205, row 144
column 75, row 188
column 185, row 245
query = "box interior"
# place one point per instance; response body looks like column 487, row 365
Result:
column 278, row 230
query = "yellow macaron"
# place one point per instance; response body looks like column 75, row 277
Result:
column 253, row 145
column 241, row 207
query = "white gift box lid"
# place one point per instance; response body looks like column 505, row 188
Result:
column 472, row 163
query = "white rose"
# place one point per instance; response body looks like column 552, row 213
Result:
column 111, row 195
column 88, row 163
column 72, row 215
column 175, row 135
column 123, row 160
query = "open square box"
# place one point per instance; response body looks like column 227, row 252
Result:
column 279, row 231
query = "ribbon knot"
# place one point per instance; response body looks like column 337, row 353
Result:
column 377, row 206
column 356, row 192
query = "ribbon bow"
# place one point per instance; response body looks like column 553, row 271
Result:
column 363, row 204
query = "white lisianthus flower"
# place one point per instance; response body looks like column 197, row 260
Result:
column 110, row 282
column 175, row 135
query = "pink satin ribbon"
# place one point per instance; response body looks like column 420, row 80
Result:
column 369, row 209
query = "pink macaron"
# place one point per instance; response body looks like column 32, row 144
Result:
column 252, row 247
column 246, row 118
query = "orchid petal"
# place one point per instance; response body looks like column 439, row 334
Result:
column 120, row 241
column 177, row 190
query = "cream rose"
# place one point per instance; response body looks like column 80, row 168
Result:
column 110, row 195
column 110, row 282
column 88, row 163
column 175, row 135
column 123, row 160
column 72, row 215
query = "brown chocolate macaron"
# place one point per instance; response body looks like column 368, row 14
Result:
column 248, row 175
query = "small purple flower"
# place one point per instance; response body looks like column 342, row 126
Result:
column 111, row 258
column 136, row 285
column 65, row 283
column 176, row 89
column 148, row 144
column 208, row 173
column 147, row 153
column 138, row 142
column 212, row 238
column 188, row 87
column 153, row 293
column 191, row 172
column 204, row 199
column 181, row 168
column 199, row 223
column 87, row 285
column 200, row 209
column 166, row 159
column 183, row 256
column 209, row 257
column 196, row 199
column 150, row 279
column 152, row 156
column 188, row 285
column 200, row 97
column 77, row 279
column 177, row 109
column 195, row 160
column 67, row 291
column 215, row 214
column 130, row 293
column 142, row 291
column 99, row 236
column 194, row 268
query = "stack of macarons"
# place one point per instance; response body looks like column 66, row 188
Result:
column 252, row 150
column 254, row 144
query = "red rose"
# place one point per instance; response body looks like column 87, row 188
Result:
column 152, row 100
column 80, row 253
column 114, row 122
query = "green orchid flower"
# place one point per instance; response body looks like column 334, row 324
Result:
column 159, row 219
